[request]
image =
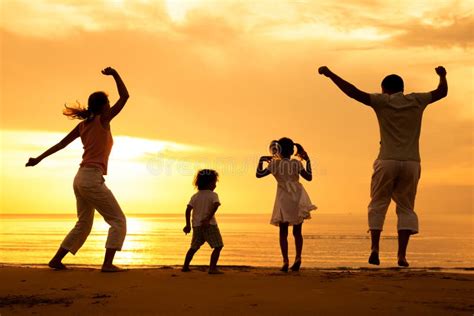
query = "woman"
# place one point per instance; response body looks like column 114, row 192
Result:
column 89, row 187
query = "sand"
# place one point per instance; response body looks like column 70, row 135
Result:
column 240, row 291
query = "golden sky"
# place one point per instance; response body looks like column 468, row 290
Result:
column 213, row 82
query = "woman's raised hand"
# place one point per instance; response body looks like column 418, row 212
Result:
column 109, row 71
column 323, row 70
column 32, row 162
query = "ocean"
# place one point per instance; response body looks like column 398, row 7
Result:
column 330, row 241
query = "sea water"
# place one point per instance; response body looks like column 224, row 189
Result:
column 330, row 241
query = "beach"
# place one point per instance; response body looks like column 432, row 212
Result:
column 165, row 290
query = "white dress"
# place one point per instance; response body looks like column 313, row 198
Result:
column 292, row 203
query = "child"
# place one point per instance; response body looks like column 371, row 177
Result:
column 204, row 205
column 292, row 203
column 397, row 168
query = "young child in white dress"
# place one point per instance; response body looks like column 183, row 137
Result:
column 292, row 203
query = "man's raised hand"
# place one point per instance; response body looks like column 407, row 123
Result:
column 440, row 71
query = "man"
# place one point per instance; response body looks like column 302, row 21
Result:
column 397, row 168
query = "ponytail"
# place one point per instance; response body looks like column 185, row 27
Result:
column 77, row 112
column 300, row 152
column 274, row 148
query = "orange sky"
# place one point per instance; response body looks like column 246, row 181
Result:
column 213, row 82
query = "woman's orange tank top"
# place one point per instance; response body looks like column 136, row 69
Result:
column 97, row 142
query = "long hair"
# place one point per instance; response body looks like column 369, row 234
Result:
column 95, row 104
column 76, row 112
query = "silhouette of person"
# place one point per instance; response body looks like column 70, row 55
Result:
column 204, row 205
column 89, row 184
column 292, row 203
column 397, row 167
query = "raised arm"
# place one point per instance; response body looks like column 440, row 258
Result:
column 123, row 95
column 260, row 173
column 442, row 89
column 307, row 173
column 349, row 89
column 63, row 143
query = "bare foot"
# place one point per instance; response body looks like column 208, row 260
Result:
column 215, row 271
column 402, row 262
column 296, row 266
column 185, row 269
column 374, row 258
column 56, row 265
column 112, row 268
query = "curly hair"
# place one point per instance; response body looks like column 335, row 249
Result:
column 204, row 178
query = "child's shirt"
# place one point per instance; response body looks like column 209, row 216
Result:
column 399, row 117
column 202, row 203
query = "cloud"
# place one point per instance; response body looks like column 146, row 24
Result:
column 131, row 149
column 458, row 33
column 208, row 29
column 43, row 18
column 402, row 23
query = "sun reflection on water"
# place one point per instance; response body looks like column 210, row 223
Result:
column 156, row 240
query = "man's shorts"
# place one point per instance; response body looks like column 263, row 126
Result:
column 209, row 234
column 394, row 180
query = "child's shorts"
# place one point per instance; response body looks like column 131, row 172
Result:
column 211, row 234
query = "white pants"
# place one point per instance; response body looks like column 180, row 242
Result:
column 397, row 180
column 92, row 193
